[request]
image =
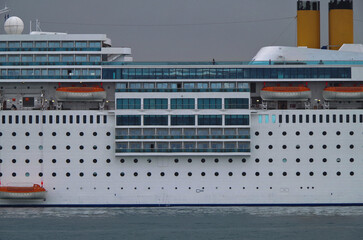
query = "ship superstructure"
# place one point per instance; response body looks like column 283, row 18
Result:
column 82, row 124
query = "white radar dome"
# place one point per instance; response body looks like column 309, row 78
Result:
column 14, row 25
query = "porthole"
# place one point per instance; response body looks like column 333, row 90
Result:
column 109, row 160
column 176, row 160
column 190, row 160
column 54, row 147
column 81, row 174
column 257, row 147
column 54, row 174
column 27, row 174
column 351, row 133
column 122, row 174
column 284, row 174
column 297, row 133
column 338, row 146
column 108, row 147
column 108, row 174
column 94, row 133
column 1, row 174
column 351, row 173
column 244, row 160
column 13, row 174
column 324, row 146
column 135, row 160
column 162, row 174
column 230, row 174
column 284, row 146
column 13, row 147
column 136, row 174
column 324, row 133
column 216, row 160
column 297, row 146
column 270, row 160
column 270, row 133
column 1, row 147
column 40, row 160
column 270, row 174
column 257, row 160
column 311, row 146
column 284, row 133
column 284, row 160
column 311, row 133
column 257, row 174
column 122, row 160
column 14, row 134
column 148, row 174
column 311, row 160
column 216, row 174
column 325, row 173
column 68, row 174
column 68, row 147
column 325, row 160
column 297, row 173
column 40, row 134
column 257, row 133
column 244, row 174
column 202, row 173
column 338, row 133
column 81, row 134
column 13, row 161
column 202, row 160
column 1, row 134
column 176, row 174
column 270, row 146
column 54, row 134
column 26, row 161
column 94, row 174
column 94, row 147
column 68, row 134
column 94, row 160
column 54, row 160
column 81, row 147
column 108, row 134
column 351, row 146
column 40, row 147
column 351, row 160
column 311, row 173
column 27, row 134
column 68, row 161
column 189, row 174
column 338, row 173
column 230, row 160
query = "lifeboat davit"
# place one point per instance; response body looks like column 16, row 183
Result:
column 97, row 94
column 279, row 93
column 343, row 93
column 34, row 192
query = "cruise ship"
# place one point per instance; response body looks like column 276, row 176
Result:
column 82, row 124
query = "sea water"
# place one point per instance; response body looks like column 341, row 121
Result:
column 182, row 223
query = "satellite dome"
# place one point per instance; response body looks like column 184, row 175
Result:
column 14, row 25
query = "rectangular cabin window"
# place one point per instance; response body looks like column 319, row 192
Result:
column 347, row 118
column 71, row 119
column 307, row 118
column 57, row 119
column 314, row 118
column 23, row 119
column 294, row 118
column 327, row 118
column 321, row 118
column 259, row 118
column 104, row 119
column 37, row 119
column 341, row 118
column 44, row 119
column 300, row 118
column 17, row 119
column 280, row 118
column 354, row 118
column 10, row 119
column 64, row 119
column 30, row 119
column 334, row 118
column 50, row 119
column 84, row 119
column 3, row 119
column 78, row 120
column 273, row 118
column 361, row 118
column 266, row 118
column 98, row 119
column 287, row 118
column 91, row 119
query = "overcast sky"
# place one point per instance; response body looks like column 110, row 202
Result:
column 178, row 30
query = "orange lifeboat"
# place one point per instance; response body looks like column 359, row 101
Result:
column 97, row 94
column 284, row 93
column 11, row 192
column 343, row 93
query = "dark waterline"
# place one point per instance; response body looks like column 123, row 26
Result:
column 182, row 223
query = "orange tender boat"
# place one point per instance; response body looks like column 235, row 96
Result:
column 299, row 93
column 343, row 93
column 80, row 94
column 12, row 192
